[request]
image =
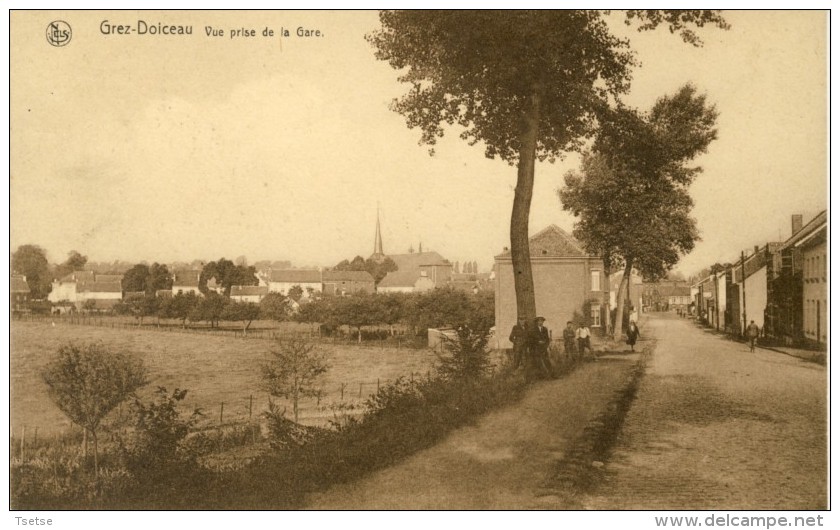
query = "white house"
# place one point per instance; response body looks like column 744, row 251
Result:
column 248, row 293
column 280, row 281
column 80, row 286
column 185, row 281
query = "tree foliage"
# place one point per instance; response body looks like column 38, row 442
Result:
column 631, row 197
column 245, row 312
column 377, row 269
column 293, row 371
column 87, row 382
column 227, row 274
column 74, row 262
column 180, row 306
column 31, row 262
column 209, row 308
column 275, row 306
column 467, row 357
column 528, row 85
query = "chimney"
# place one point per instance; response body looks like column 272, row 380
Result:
column 755, row 248
column 795, row 223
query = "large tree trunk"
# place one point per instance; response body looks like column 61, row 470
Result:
column 523, row 280
column 623, row 288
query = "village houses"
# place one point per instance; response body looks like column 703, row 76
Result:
column 566, row 280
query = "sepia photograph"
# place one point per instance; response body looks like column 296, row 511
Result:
column 426, row 260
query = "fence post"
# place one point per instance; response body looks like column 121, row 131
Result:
column 377, row 384
column 360, row 389
column 343, row 386
column 250, row 405
column 221, row 413
column 23, row 444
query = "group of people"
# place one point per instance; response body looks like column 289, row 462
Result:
column 531, row 344
column 576, row 341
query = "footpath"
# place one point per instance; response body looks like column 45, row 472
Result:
column 508, row 460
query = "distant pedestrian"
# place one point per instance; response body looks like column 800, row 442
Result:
column 569, row 339
column 519, row 337
column 752, row 334
column 540, row 341
column 632, row 335
column 583, row 343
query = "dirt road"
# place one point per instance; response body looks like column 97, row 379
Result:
column 502, row 462
column 714, row 426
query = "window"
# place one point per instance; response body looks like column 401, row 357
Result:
column 596, row 280
column 595, row 315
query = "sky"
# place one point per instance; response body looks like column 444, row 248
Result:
column 174, row 148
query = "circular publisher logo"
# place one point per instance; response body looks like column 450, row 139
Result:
column 59, row 33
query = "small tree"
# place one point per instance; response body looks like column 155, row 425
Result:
column 293, row 371
column 209, row 308
column 87, row 381
column 179, row 307
column 245, row 312
column 468, row 358
column 158, row 431
column 274, row 306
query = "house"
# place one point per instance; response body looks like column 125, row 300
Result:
column 797, row 309
column 405, row 282
column 248, row 293
column 102, row 290
column 347, row 282
column 666, row 295
column 416, row 272
column 18, row 293
column 186, row 281
column 566, row 280
column 280, row 281
column 750, row 275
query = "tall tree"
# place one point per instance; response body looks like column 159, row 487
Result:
column 134, row 279
column 31, row 261
column 159, row 279
column 227, row 275
column 74, row 262
column 527, row 84
column 631, row 195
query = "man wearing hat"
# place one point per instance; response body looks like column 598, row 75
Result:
column 519, row 338
column 540, row 340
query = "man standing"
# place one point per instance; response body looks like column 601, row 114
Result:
column 569, row 339
column 583, row 339
column 519, row 338
column 752, row 334
column 540, row 340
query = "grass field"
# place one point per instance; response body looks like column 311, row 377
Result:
column 213, row 369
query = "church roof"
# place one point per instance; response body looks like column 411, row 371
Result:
column 552, row 242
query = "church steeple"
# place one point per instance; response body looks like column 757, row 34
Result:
column 378, row 253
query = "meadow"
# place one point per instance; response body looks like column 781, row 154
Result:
column 214, row 369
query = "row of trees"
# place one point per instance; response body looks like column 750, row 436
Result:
column 555, row 80
column 417, row 311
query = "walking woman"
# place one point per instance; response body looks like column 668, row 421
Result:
column 632, row 335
